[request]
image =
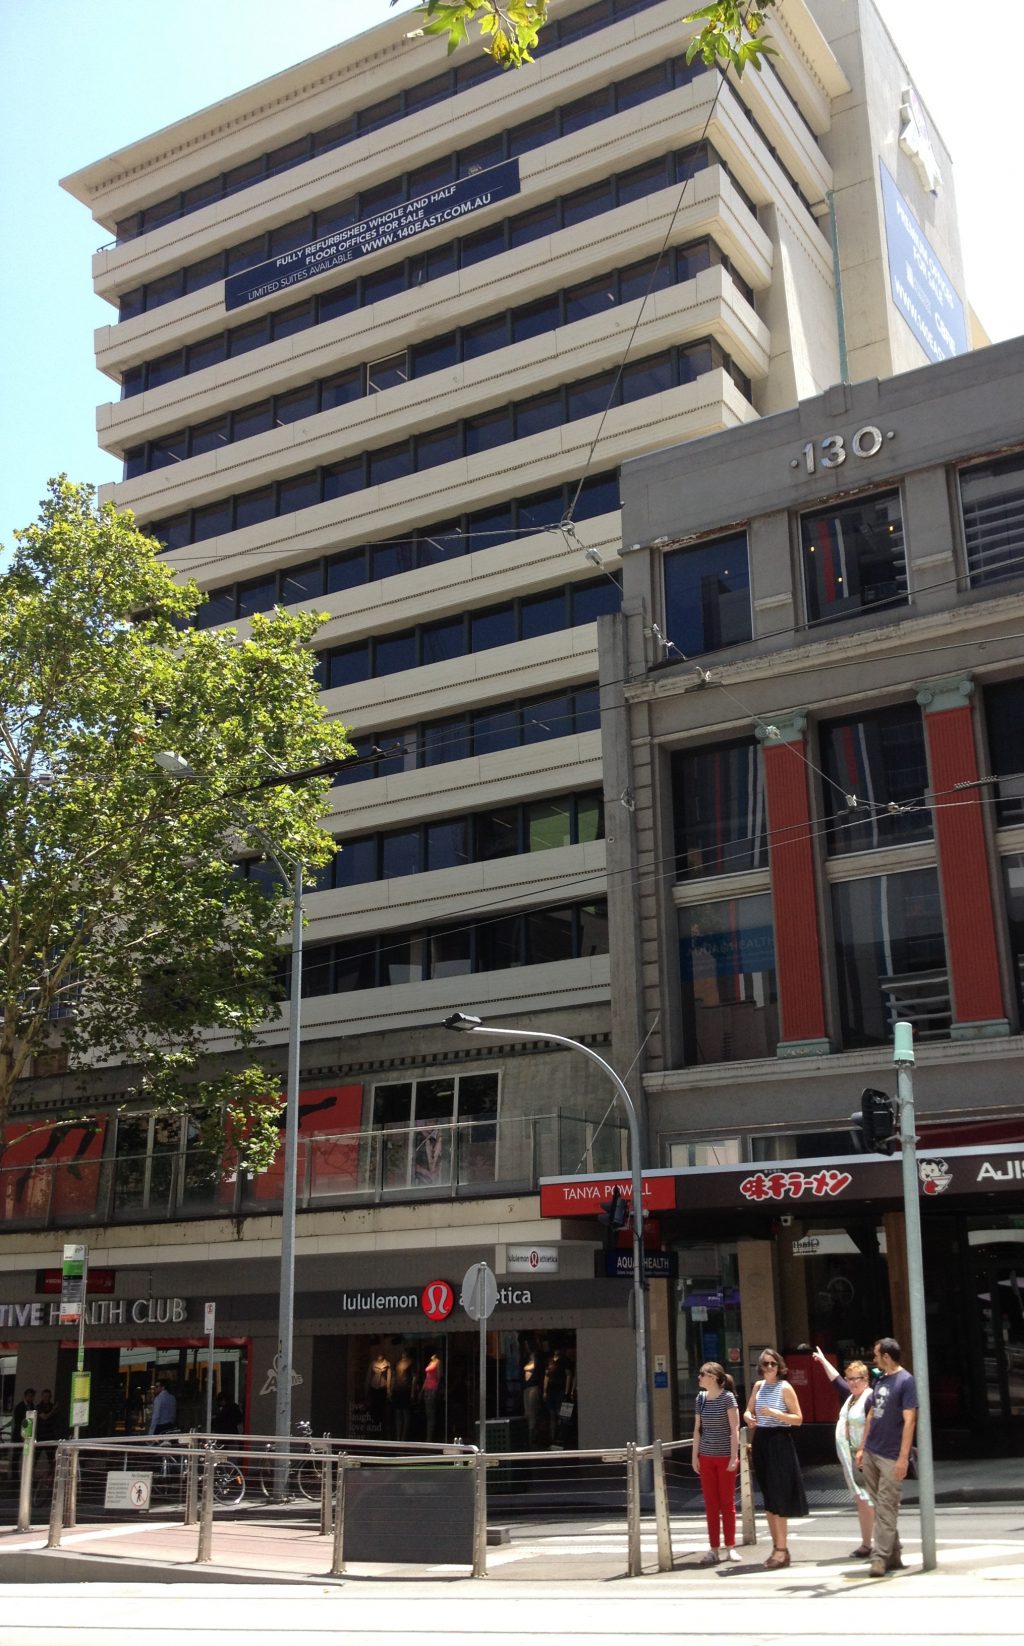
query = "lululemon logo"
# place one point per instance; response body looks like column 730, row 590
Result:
column 437, row 1300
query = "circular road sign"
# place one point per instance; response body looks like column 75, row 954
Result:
column 479, row 1292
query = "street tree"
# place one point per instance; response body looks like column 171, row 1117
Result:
column 127, row 933
column 730, row 32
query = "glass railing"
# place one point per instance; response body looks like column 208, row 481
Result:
column 434, row 1160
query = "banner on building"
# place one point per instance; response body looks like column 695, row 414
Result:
column 386, row 228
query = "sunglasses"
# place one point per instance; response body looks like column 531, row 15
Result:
column 767, row 1363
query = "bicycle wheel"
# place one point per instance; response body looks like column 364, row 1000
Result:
column 309, row 1477
column 265, row 1476
column 228, row 1483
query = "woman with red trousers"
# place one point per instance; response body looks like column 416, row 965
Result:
column 716, row 1457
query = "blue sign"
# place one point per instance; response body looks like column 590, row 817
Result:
column 921, row 289
column 386, row 228
column 661, row 1380
column 744, row 950
column 657, row 1265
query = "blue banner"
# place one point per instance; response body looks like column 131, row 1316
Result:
column 921, row 289
column 386, row 228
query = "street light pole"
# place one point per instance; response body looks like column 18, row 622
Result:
column 472, row 1025
column 903, row 1057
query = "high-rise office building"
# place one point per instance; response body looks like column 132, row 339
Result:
column 387, row 325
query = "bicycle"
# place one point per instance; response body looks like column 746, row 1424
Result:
column 305, row 1476
column 228, row 1479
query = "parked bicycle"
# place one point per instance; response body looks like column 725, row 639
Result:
column 305, row 1475
column 228, row 1479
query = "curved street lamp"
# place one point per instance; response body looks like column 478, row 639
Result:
column 466, row 1024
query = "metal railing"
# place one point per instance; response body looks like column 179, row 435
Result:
column 444, row 1490
column 443, row 1160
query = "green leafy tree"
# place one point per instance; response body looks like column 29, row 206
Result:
column 125, row 931
column 731, row 32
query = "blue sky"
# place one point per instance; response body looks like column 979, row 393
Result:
column 85, row 77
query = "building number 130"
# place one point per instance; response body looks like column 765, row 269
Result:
column 830, row 451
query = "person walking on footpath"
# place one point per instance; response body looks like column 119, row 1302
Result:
column 716, row 1457
column 164, row 1415
column 854, row 1390
column 772, row 1411
column 885, row 1453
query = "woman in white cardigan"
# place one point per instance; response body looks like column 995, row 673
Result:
column 854, row 1388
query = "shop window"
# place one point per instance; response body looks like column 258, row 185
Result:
column 992, row 500
column 718, row 809
column 707, row 597
column 876, row 761
column 727, row 974
column 891, row 957
column 853, row 557
column 1004, row 720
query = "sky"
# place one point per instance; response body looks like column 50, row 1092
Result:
column 85, row 77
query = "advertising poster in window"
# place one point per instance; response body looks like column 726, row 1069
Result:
column 51, row 1169
column 329, row 1122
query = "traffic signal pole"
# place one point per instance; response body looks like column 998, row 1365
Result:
column 903, row 1057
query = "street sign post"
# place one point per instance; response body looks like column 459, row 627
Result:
column 210, row 1318
column 479, row 1296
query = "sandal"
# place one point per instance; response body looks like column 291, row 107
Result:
column 778, row 1557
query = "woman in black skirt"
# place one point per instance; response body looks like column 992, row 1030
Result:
column 772, row 1410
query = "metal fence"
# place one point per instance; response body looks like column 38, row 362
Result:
column 381, row 1501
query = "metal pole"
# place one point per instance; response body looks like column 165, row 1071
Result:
column 338, row 1546
column 191, row 1486
column 634, row 1564
column 60, row 1483
column 662, row 1523
column 209, row 1379
column 204, row 1551
column 482, row 1437
column 479, row 1515
column 903, row 1057
column 747, row 1493
column 327, row 1496
column 71, row 1502
column 286, row 1310
column 643, row 1404
column 28, row 1455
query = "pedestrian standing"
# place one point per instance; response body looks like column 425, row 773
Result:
column 854, row 1391
column 885, row 1454
column 716, row 1457
column 772, row 1411
column 164, row 1416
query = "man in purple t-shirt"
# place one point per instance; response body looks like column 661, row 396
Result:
column 885, row 1454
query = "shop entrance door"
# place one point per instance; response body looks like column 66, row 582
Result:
column 999, row 1291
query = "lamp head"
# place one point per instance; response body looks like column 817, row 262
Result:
column 175, row 765
column 463, row 1022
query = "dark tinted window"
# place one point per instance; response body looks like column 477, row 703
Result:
column 879, row 759
column 718, row 808
column 393, row 653
column 253, row 507
column 541, row 412
column 299, row 491
column 853, row 557
column 495, row 729
column 401, row 854
column 707, row 597
column 496, row 627
column 250, row 420
column 349, row 664
column 259, row 594
column 292, row 408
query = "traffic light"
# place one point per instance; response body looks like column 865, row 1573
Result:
column 878, row 1128
column 613, row 1215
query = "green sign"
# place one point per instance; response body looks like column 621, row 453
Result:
column 80, row 1389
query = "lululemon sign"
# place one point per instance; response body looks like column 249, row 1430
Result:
column 437, row 1300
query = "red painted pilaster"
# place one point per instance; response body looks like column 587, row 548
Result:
column 794, row 892
column 963, row 860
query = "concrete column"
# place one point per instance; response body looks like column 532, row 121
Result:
column 758, row 1314
column 971, row 946
column 798, row 958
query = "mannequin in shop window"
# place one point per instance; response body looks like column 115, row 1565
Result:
column 378, row 1390
column 403, row 1393
column 533, row 1398
column 431, row 1391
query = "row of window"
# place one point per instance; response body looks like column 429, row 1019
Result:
column 497, row 331
column 469, row 436
column 868, row 762
column 474, row 631
column 853, row 559
column 360, row 208
column 415, row 271
column 890, row 964
column 874, row 760
column 425, row 546
column 511, row 725
column 452, row 842
column 372, row 118
column 535, row 938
